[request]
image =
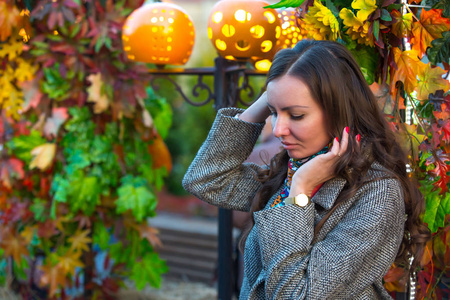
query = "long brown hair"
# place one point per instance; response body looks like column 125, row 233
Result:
column 335, row 81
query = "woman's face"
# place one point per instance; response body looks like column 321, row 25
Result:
column 297, row 119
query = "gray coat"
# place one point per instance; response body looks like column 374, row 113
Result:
column 282, row 259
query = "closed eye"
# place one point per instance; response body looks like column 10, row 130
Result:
column 297, row 117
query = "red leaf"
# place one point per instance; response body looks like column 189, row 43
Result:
column 439, row 160
column 52, row 125
column 9, row 169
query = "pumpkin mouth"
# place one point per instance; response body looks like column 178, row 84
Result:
column 242, row 45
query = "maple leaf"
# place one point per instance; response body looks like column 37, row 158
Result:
column 80, row 240
column 134, row 195
column 365, row 8
column 13, row 245
column 23, row 144
column 96, row 93
column 395, row 279
column 52, row 125
column 401, row 28
column 430, row 27
column 437, row 206
column 11, row 49
column 28, row 232
column 148, row 270
column 70, row 261
column 408, row 66
column 150, row 233
column 54, row 277
column 43, row 156
column 31, row 94
column 430, row 81
column 441, row 169
column 9, row 18
column 24, row 70
column 9, row 169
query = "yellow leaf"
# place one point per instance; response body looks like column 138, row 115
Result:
column 12, row 49
column 356, row 29
column 43, row 156
column 24, row 70
column 430, row 81
column 69, row 262
column 28, row 233
column 408, row 66
column 61, row 220
column 365, row 8
column 95, row 93
column 80, row 240
column 13, row 245
column 320, row 23
column 11, row 99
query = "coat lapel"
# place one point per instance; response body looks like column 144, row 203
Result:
column 328, row 193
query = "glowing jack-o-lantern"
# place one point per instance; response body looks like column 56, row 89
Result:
column 243, row 29
column 291, row 28
column 159, row 33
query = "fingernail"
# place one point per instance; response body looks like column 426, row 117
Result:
column 347, row 129
column 358, row 137
column 337, row 139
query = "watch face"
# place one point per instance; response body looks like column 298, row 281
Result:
column 301, row 200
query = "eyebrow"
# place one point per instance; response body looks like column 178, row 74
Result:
column 288, row 107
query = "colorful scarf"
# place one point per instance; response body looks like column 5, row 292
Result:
column 293, row 165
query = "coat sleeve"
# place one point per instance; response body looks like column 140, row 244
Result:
column 353, row 256
column 218, row 175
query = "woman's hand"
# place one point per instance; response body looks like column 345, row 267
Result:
column 320, row 168
column 257, row 112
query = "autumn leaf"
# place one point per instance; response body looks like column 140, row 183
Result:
column 52, row 125
column 22, row 145
column 437, row 207
column 160, row 154
column 53, row 276
column 43, row 156
column 430, row 81
column 408, row 66
column 11, row 49
column 441, row 168
column 24, row 70
column 430, row 27
column 80, row 240
column 28, row 232
column 31, row 93
column 395, row 279
column 9, row 18
column 10, row 169
column 151, row 234
column 13, row 245
column 401, row 28
column 69, row 262
column 96, row 93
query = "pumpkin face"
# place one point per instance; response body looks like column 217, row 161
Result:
column 242, row 30
column 159, row 33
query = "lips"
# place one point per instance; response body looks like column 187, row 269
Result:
column 288, row 146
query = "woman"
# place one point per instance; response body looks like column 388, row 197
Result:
column 335, row 208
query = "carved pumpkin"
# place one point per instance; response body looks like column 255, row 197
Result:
column 292, row 29
column 159, row 33
column 243, row 29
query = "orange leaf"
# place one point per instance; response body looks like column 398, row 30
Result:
column 53, row 276
column 395, row 279
column 160, row 154
column 9, row 169
column 431, row 81
column 70, row 261
column 9, row 18
column 408, row 66
column 80, row 240
column 13, row 245
column 430, row 27
column 401, row 28
column 151, row 234
column 427, row 254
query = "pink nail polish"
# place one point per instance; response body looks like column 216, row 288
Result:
column 347, row 129
column 358, row 137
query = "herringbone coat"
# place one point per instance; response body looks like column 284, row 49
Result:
column 282, row 258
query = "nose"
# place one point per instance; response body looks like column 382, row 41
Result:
column 280, row 127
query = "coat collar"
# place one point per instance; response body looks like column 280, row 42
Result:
column 328, row 193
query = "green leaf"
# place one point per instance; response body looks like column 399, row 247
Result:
column 135, row 195
column 440, row 49
column 84, row 194
column 22, row 145
column 367, row 58
column 385, row 15
column 39, row 209
column 437, row 206
column 332, row 8
column 161, row 112
column 101, row 235
column 440, row 4
column 376, row 29
column 149, row 271
column 286, row 3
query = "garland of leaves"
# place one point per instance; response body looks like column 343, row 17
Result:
column 81, row 151
column 403, row 49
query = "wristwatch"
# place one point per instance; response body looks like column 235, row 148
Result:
column 301, row 200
